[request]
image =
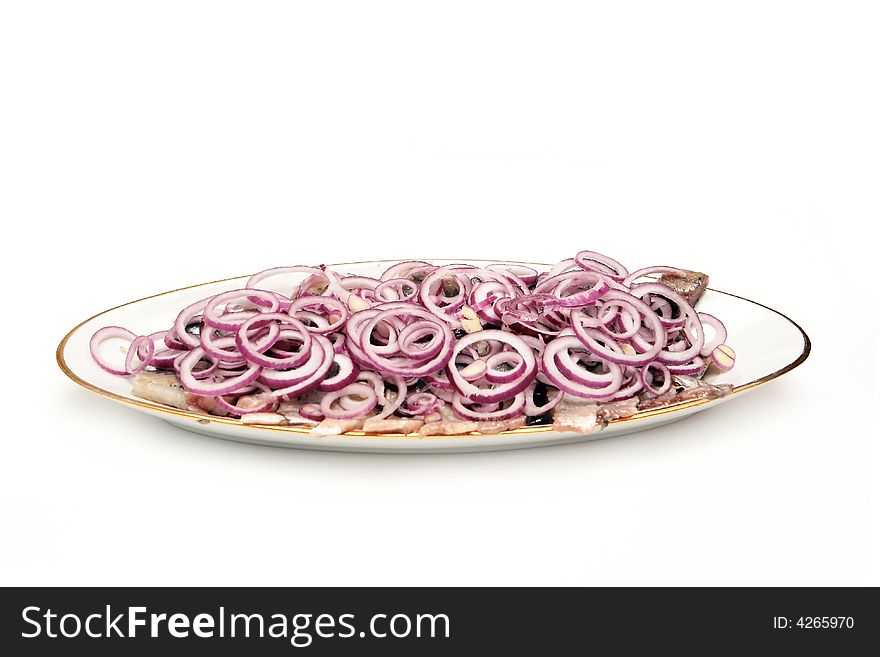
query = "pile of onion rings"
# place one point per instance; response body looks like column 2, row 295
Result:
column 478, row 340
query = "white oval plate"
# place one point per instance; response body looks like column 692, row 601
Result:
column 767, row 343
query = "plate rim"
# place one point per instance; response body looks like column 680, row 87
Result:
column 204, row 418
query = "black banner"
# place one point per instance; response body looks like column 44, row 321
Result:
column 277, row 621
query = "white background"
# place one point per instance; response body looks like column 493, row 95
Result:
column 147, row 146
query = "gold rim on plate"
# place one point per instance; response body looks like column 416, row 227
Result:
column 204, row 418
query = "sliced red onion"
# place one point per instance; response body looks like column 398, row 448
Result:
column 648, row 271
column 600, row 344
column 397, row 289
column 664, row 293
column 516, row 366
column 338, row 342
column 516, row 310
column 439, row 381
column 592, row 261
column 183, row 319
column 173, row 342
column 275, row 378
column 336, row 311
column 422, row 403
column 405, row 366
column 629, row 388
column 164, row 358
column 352, row 283
column 515, row 408
column 596, row 285
column 261, row 277
column 694, row 368
column 499, row 391
column 526, row 275
column 559, row 268
column 719, row 329
column 649, row 373
column 225, row 386
column 532, row 410
column 435, row 281
column 346, row 373
column 110, row 333
column 391, row 406
column 365, row 394
column 411, row 341
column 325, row 349
column 224, row 347
column 231, row 321
column 407, row 269
column 586, row 327
column 141, row 349
column 570, row 365
column 291, row 328
column 551, row 370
